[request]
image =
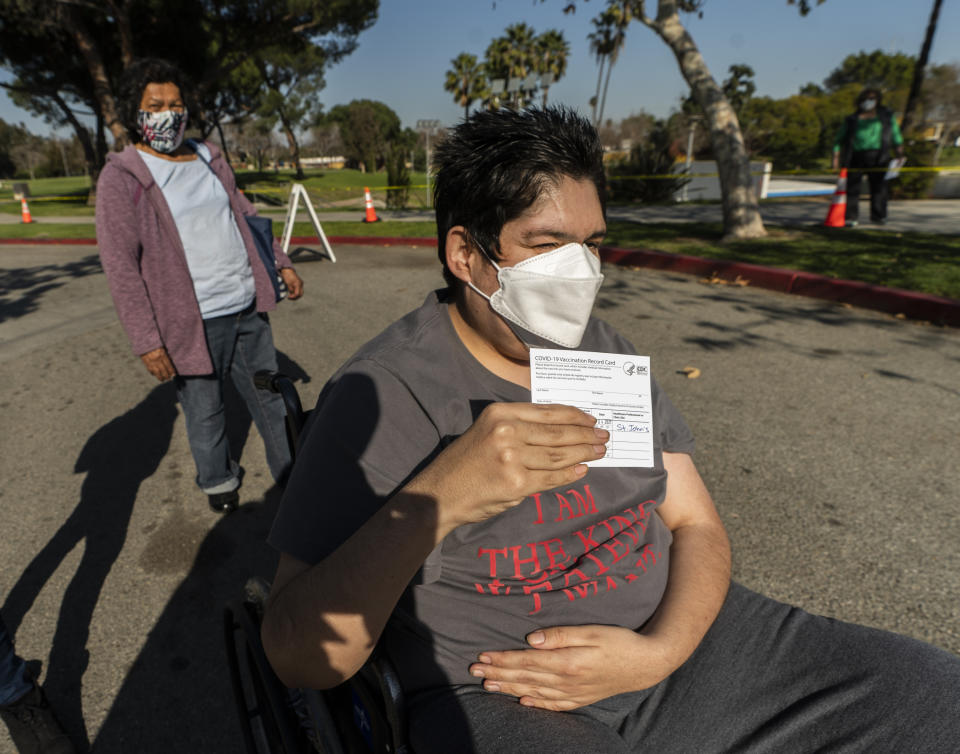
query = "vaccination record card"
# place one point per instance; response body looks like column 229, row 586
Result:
column 614, row 388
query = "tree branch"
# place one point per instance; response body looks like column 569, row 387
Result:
column 640, row 12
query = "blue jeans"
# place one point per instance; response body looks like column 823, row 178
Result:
column 240, row 345
column 14, row 683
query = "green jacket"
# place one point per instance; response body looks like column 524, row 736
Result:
column 858, row 134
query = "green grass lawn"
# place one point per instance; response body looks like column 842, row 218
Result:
column 49, row 197
column 925, row 262
column 950, row 157
column 327, row 186
column 42, row 207
column 46, row 230
column 77, row 185
column 385, row 228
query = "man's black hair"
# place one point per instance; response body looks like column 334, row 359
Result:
column 493, row 166
column 135, row 79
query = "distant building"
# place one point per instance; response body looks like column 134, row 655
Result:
column 334, row 163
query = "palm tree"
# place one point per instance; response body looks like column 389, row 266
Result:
column 551, row 57
column 601, row 44
column 466, row 81
column 521, row 53
column 615, row 18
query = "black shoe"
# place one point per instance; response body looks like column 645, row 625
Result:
column 878, row 220
column 33, row 726
column 224, row 502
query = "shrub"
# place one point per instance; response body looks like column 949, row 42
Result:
column 398, row 177
column 915, row 185
column 651, row 158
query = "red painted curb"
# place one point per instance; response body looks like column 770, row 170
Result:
column 891, row 300
column 49, row 241
column 880, row 298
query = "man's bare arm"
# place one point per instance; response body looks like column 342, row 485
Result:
column 699, row 561
column 323, row 621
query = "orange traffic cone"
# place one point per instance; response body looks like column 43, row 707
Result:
column 371, row 216
column 24, row 211
column 838, row 207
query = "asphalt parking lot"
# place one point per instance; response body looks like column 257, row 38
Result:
column 827, row 435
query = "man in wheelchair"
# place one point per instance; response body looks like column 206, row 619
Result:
column 527, row 600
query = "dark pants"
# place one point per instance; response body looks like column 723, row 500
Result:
column 14, row 683
column 240, row 345
column 767, row 677
column 878, row 186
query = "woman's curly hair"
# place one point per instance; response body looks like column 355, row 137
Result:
column 135, row 79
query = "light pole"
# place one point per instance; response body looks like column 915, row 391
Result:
column 428, row 127
column 688, row 162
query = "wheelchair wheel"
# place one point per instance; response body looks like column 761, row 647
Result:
column 273, row 718
column 267, row 727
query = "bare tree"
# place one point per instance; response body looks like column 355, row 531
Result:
column 325, row 140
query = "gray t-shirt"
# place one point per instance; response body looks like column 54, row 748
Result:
column 591, row 552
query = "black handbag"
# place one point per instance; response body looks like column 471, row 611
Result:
column 261, row 228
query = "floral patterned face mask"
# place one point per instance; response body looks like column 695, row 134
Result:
column 162, row 131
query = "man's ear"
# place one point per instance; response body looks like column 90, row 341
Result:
column 460, row 253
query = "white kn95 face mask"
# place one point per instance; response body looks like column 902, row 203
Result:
column 547, row 299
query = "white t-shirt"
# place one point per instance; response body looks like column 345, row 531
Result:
column 217, row 259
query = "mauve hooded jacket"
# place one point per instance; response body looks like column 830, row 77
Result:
column 146, row 266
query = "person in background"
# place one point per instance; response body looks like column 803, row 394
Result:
column 185, row 275
column 24, row 707
column 864, row 144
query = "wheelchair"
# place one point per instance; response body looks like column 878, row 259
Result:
column 361, row 716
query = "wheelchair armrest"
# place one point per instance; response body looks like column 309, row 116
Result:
column 275, row 382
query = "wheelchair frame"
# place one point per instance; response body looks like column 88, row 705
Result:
column 365, row 714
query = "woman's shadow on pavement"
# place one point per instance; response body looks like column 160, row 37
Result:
column 116, row 459
column 177, row 696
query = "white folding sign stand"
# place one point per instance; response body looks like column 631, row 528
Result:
column 296, row 192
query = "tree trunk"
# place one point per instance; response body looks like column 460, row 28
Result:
column 121, row 13
column 596, row 97
column 603, row 102
column 87, row 46
column 919, row 69
column 223, row 142
column 741, row 210
column 294, row 146
column 89, row 151
column 941, row 143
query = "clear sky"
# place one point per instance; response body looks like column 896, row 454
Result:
column 402, row 59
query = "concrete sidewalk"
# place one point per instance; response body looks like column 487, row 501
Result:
column 926, row 216
column 920, row 216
